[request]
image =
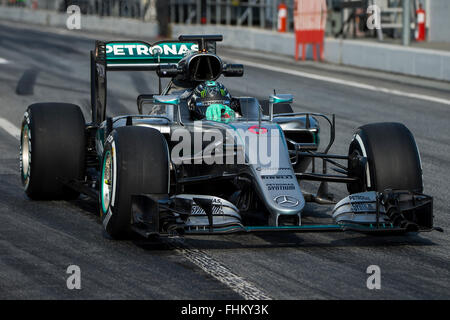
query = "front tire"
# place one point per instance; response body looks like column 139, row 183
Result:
column 393, row 160
column 135, row 161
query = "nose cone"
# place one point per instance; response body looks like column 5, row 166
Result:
column 287, row 201
column 273, row 172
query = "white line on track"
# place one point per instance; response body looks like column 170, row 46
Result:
column 3, row 61
column 220, row 272
column 10, row 128
column 342, row 82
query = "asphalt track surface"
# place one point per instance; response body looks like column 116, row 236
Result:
column 39, row 240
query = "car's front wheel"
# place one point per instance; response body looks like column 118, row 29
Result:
column 135, row 161
column 393, row 160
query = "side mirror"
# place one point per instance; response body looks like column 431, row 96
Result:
column 233, row 70
column 143, row 98
column 279, row 98
column 161, row 106
column 168, row 99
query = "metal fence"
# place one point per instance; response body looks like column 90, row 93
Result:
column 345, row 18
column 251, row 13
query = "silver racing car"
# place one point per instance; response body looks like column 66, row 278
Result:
column 195, row 159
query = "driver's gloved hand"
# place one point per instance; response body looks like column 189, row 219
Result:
column 220, row 113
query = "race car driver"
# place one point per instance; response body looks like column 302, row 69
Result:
column 211, row 100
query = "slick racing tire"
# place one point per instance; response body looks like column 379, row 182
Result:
column 135, row 161
column 52, row 150
column 393, row 160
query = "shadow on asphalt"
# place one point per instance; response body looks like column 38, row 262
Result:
column 274, row 241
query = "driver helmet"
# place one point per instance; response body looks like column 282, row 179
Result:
column 208, row 93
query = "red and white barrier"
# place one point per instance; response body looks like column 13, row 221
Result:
column 310, row 18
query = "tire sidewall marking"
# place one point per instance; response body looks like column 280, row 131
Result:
column 358, row 139
column 104, row 210
column 26, row 123
column 109, row 213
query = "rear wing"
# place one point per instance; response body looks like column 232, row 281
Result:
column 138, row 56
column 141, row 55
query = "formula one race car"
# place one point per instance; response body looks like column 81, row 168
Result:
column 171, row 170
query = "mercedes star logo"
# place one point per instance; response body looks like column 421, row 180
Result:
column 286, row 201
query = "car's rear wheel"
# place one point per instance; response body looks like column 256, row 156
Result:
column 393, row 160
column 52, row 150
column 135, row 161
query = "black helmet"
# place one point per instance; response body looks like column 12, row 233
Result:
column 210, row 92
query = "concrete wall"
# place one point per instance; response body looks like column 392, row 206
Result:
column 391, row 58
column 439, row 25
column 120, row 26
column 426, row 63
column 244, row 38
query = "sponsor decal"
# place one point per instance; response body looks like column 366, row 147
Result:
column 359, row 198
column 363, row 207
column 280, row 186
column 145, row 51
column 197, row 211
column 286, row 201
column 216, row 210
column 257, row 130
column 272, row 169
column 277, row 176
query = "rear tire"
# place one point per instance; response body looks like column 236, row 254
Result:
column 393, row 160
column 52, row 150
column 135, row 161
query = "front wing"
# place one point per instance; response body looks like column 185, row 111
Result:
column 370, row 212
